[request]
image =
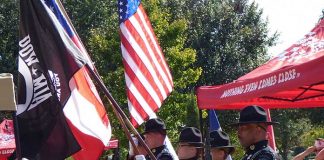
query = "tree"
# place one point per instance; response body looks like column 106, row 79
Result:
column 293, row 124
column 309, row 137
column 8, row 41
column 316, row 116
column 9, row 36
column 233, row 40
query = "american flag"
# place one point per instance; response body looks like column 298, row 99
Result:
column 148, row 78
column 55, row 7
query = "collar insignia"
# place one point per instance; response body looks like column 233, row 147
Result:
column 252, row 147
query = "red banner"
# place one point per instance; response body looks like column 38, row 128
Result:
column 7, row 139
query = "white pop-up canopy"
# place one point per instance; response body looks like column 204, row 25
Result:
column 7, row 93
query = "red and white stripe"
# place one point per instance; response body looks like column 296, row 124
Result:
column 84, row 110
column 148, row 78
column 87, row 117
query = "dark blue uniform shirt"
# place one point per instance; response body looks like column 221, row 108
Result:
column 161, row 153
column 259, row 151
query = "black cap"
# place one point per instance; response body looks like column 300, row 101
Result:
column 154, row 125
column 254, row 114
column 219, row 139
column 192, row 136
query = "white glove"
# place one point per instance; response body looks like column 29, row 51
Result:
column 140, row 157
column 131, row 148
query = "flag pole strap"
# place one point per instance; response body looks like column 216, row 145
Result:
column 119, row 112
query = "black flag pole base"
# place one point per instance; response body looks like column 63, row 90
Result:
column 121, row 115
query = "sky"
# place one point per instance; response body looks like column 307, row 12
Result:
column 291, row 18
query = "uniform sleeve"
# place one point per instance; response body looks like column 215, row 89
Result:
column 265, row 156
column 165, row 156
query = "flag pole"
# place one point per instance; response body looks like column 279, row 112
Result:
column 116, row 108
column 119, row 112
column 15, row 120
column 127, row 133
column 17, row 138
column 207, row 136
column 201, row 127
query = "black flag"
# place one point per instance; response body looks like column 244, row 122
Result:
column 46, row 64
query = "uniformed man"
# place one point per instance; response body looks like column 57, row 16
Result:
column 155, row 133
column 220, row 145
column 190, row 144
column 252, row 133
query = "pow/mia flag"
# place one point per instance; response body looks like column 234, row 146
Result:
column 47, row 61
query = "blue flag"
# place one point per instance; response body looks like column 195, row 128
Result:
column 213, row 121
column 214, row 125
